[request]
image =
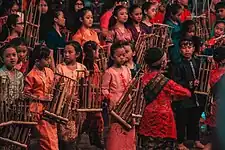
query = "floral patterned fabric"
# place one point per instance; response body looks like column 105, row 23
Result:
column 158, row 119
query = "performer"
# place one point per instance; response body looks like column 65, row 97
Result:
column 220, row 9
column 149, row 10
column 135, row 24
column 85, row 32
column 94, row 122
column 216, row 78
column 157, row 127
column 38, row 83
column 172, row 15
column 68, row 133
column 9, row 58
column 188, row 111
column 130, row 58
column 22, row 52
column 115, row 82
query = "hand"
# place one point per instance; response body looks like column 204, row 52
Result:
column 196, row 83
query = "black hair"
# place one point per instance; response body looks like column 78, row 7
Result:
column 72, row 4
column 39, row 52
column 2, row 50
column 112, row 20
column 55, row 14
column 219, row 54
column 88, row 49
column 152, row 55
column 81, row 14
column 132, row 46
column 171, row 9
column 189, row 39
column 131, row 10
column 185, row 27
column 220, row 5
column 18, row 41
column 113, row 49
column 146, row 6
column 218, row 22
column 7, row 28
column 76, row 45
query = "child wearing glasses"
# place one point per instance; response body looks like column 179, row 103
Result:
column 188, row 111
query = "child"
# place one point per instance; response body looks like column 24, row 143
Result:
column 220, row 9
column 85, row 32
column 95, row 120
column 38, row 83
column 157, row 127
column 149, row 10
column 115, row 81
column 69, row 132
column 172, row 18
column 186, row 14
column 130, row 55
column 9, row 58
column 188, row 111
column 216, row 77
column 22, row 52
column 136, row 26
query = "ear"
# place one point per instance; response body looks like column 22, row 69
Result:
column 145, row 12
column 77, row 54
column 55, row 19
column 115, row 17
column 134, row 53
column 81, row 19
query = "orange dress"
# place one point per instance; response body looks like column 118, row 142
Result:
column 81, row 36
column 39, row 83
column 114, row 84
column 69, row 132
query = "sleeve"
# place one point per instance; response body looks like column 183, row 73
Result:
column 110, row 37
column 29, row 84
column 77, row 38
column 104, row 22
column 174, row 89
column 106, row 79
column 178, row 77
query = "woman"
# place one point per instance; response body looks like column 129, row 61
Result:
column 73, row 15
column 55, row 38
column 85, row 32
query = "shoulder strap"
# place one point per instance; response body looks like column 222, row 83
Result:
column 154, row 87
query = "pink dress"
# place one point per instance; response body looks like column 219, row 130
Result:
column 114, row 84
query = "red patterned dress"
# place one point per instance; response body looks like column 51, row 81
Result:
column 214, row 78
column 157, row 127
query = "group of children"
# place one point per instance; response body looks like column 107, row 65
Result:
column 171, row 104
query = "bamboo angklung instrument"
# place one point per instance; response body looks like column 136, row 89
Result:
column 64, row 100
column 32, row 24
column 203, row 75
column 59, row 56
column 90, row 94
column 138, row 101
column 124, row 109
column 15, row 118
column 103, row 58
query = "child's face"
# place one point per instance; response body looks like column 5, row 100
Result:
column 43, row 7
column 152, row 11
column 45, row 62
column 96, row 53
column 191, row 31
column 10, row 57
column 219, row 29
column 19, row 25
column 187, row 49
column 221, row 13
column 177, row 16
column 88, row 19
column 122, row 15
column 129, row 53
column 119, row 56
column 22, row 52
column 69, row 54
column 136, row 15
column 78, row 6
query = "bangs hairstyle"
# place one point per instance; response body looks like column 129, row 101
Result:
column 77, row 48
column 220, row 5
column 39, row 52
column 219, row 21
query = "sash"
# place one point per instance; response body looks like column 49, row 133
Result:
column 216, row 89
column 154, row 87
